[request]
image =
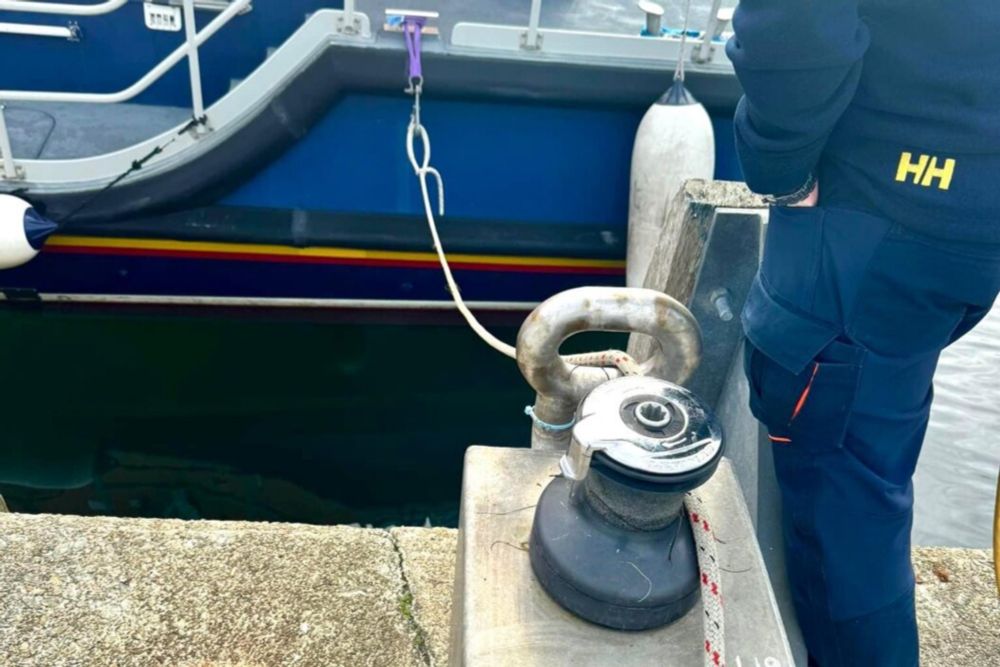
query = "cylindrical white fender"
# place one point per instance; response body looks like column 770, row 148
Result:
column 22, row 231
column 674, row 143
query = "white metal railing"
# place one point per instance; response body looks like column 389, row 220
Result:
column 70, row 32
column 703, row 49
column 207, row 5
column 227, row 115
column 35, row 7
column 531, row 38
column 194, row 63
column 350, row 21
column 189, row 49
column 9, row 170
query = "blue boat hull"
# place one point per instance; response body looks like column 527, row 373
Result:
column 536, row 189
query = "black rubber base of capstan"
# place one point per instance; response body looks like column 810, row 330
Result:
column 621, row 579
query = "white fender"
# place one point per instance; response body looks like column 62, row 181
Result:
column 22, row 231
column 674, row 143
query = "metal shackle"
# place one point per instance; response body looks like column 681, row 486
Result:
column 562, row 385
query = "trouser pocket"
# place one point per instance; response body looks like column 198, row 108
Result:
column 803, row 381
column 809, row 410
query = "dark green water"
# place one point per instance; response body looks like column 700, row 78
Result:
column 205, row 416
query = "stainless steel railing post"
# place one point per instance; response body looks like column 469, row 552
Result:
column 531, row 40
column 9, row 168
column 703, row 52
column 194, row 65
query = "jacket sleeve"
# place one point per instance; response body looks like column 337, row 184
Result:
column 799, row 62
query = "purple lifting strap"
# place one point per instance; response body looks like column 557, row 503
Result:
column 412, row 28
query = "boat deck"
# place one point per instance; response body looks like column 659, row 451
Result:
column 67, row 131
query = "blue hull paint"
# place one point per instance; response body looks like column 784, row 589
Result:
column 501, row 161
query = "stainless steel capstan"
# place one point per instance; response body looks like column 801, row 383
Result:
column 643, row 425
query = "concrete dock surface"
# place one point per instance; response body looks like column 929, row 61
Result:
column 129, row 592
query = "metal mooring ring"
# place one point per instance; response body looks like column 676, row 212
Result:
column 622, row 309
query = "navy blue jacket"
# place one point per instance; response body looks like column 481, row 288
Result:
column 893, row 104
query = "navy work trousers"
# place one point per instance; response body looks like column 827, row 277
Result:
column 845, row 323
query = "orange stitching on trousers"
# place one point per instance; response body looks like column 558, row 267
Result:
column 805, row 394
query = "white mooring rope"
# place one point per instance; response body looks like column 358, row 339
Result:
column 606, row 359
column 422, row 169
column 711, row 581
column 679, row 70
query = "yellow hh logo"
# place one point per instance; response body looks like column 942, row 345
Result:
column 925, row 171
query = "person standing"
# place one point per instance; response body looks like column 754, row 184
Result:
column 873, row 128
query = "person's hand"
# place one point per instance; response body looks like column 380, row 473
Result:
column 809, row 201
